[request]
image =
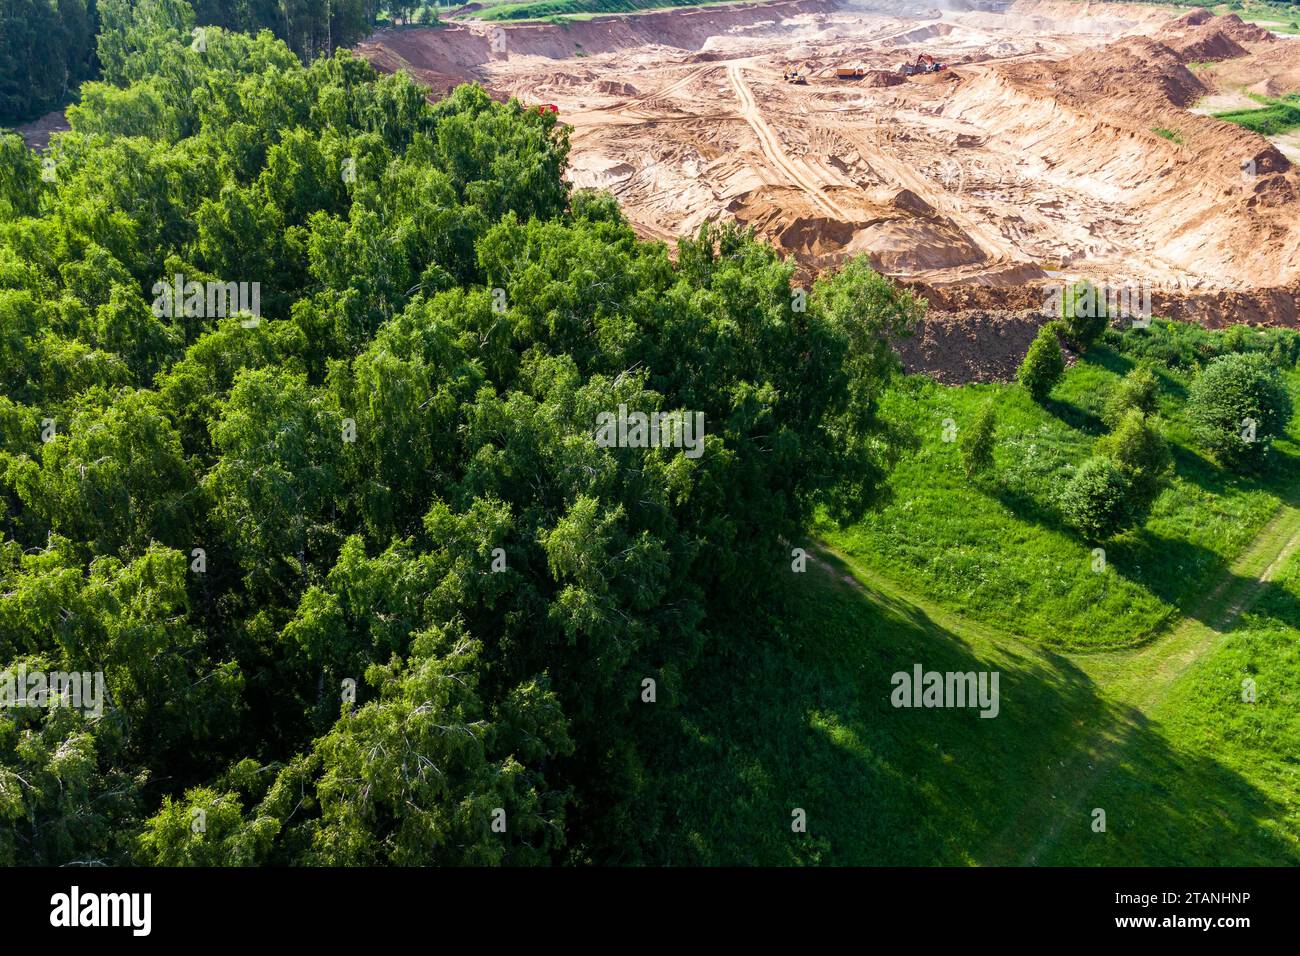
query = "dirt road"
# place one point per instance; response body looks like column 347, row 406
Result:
column 771, row 144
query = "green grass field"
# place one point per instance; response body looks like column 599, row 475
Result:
column 996, row 549
column 1278, row 17
column 1276, row 115
column 1119, row 690
column 809, row 725
column 1213, row 778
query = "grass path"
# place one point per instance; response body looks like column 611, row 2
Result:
column 1134, row 680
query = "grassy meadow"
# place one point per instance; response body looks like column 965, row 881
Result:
column 1275, row 115
column 1120, row 690
column 996, row 549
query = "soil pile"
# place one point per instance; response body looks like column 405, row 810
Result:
column 1200, row 37
column 981, row 345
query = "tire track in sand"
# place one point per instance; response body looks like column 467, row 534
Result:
column 771, row 145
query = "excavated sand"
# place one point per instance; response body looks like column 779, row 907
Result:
column 1032, row 160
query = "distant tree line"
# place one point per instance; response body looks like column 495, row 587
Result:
column 48, row 47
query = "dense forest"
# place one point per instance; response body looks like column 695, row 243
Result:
column 361, row 584
column 48, row 47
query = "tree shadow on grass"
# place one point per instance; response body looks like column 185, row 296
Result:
column 798, row 717
column 1164, row 566
column 1274, row 604
column 1076, row 416
column 1170, row 805
column 1109, row 359
column 1279, row 474
column 1026, row 506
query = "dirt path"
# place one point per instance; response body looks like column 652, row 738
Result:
column 1138, row 679
column 1143, row 678
column 770, row 144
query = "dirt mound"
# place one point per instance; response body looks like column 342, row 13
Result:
column 814, row 236
column 615, row 88
column 1207, row 46
column 881, row 78
column 1278, row 306
column 1193, row 18
column 1206, row 39
column 1277, row 65
column 1268, row 87
column 1243, row 32
column 1136, row 67
column 979, row 345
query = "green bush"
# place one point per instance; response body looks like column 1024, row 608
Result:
column 1136, row 390
column 1139, row 451
column 977, row 442
column 1187, row 345
column 1043, row 364
column 1234, row 393
column 1096, row 500
column 596, row 206
column 1084, row 314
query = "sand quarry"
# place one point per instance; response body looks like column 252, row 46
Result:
column 1033, row 159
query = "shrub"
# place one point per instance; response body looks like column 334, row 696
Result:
column 977, row 442
column 1139, row 451
column 1084, row 314
column 1237, row 406
column 1096, row 500
column 1136, row 390
column 1043, row 364
column 1281, row 354
column 1187, row 345
column 596, row 205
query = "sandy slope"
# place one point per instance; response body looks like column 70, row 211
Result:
column 1035, row 159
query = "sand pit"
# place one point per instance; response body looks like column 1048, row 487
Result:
column 1061, row 141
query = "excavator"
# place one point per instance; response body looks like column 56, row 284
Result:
column 795, row 75
column 925, row 63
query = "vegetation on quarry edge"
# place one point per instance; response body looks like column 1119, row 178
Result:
column 358, row 577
